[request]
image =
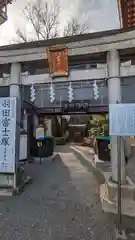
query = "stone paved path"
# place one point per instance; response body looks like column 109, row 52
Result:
column 62, row 203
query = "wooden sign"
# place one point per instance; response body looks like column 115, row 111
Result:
column 58, row 61
column 76, row 106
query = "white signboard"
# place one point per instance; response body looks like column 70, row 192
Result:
column 7, row 134
column 122, row 119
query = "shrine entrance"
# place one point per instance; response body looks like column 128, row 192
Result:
column 72, row 120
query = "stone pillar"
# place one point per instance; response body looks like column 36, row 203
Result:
column 49, row 127
column 114, row 95
column 15, row 80
column 25, row 121
column 35, row 124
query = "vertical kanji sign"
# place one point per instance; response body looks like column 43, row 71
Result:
column 58, row 61
column 7, row 134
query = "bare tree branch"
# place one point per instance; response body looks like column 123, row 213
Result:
column 42, row 19
column 31, row 13
column 73, row 27
column 43, row 22
column 49, row 20
column 21, row 35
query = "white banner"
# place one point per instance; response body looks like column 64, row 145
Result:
column 7, row 134
column 122, row 119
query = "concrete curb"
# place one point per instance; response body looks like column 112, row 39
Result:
column 98, row 174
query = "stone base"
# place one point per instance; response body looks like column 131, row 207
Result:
column 10, row 191
column 101, row 164
column 97, row 160
column 121, row 235
column 108, row 195
column 20, row 188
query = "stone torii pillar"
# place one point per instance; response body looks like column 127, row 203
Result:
column 114, row 95
column 15, row 80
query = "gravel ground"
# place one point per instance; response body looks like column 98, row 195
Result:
column 62, row 203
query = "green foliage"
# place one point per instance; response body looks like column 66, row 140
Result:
column 97, row 126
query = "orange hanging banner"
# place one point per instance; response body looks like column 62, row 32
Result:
column 58, row 61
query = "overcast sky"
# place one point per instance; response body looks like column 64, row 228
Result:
column 103, row 14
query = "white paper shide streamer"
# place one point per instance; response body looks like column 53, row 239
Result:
column 52, row 93
column 32, row 93
column 70, row 93
column 95, row 90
